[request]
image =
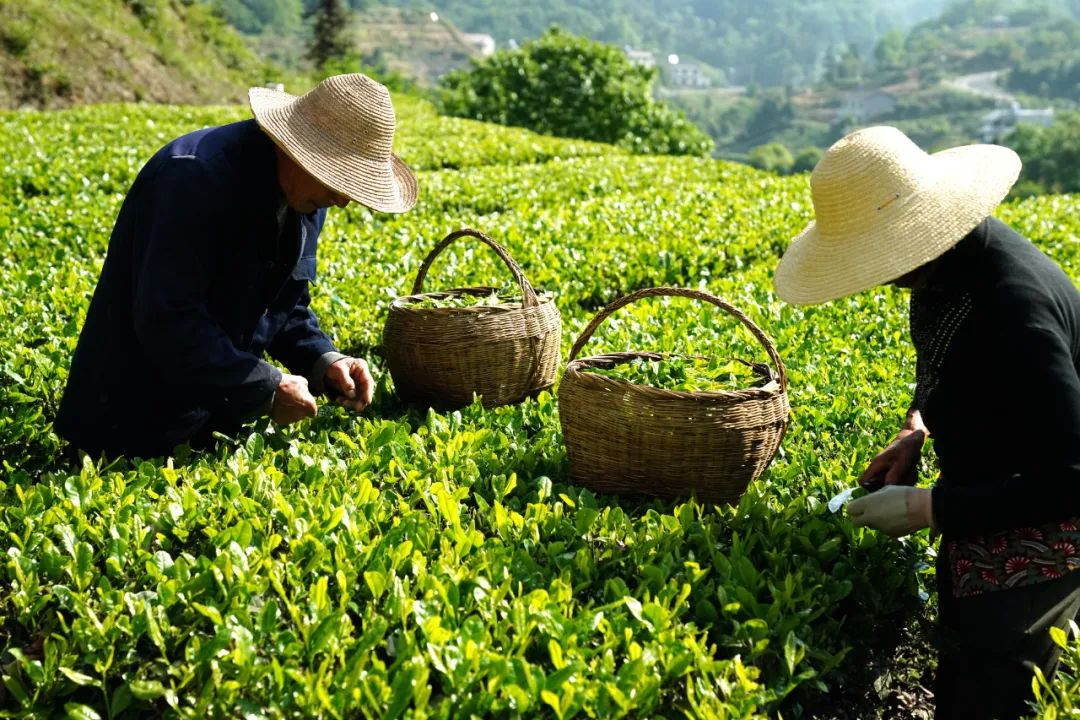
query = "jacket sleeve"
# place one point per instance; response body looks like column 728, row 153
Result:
column 301, row 345
column 1039, row 390
column 177, row 238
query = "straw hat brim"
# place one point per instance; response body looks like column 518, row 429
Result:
column 963, row 186
column 383, row 186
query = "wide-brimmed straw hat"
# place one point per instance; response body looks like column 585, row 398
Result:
column 341, row 132
column 883, row 208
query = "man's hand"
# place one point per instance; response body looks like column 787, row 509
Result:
column 352, row 380
column 898, row 464
column 292, row 401
column 894, row 510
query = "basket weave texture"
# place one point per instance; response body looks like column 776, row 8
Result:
column 627, row 438
column 440, row 357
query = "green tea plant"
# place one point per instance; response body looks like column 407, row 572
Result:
column 406, row 563
column 1061, row 697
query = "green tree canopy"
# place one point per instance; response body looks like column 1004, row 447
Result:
column 252, row 16
column 567, row 85
column 889, row 52
column 1051, row 155
column 807, row 159
column 773, row 157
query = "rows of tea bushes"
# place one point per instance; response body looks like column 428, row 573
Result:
column 403, row 563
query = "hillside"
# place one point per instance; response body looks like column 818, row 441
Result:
column 968, row 75
column 410, row 42
column 58, row 52
column 775, row 43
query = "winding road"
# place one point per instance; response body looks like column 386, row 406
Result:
column 984, row 84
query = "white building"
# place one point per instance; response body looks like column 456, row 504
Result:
column 482, row 43
column 687, row 75
column 643, row 58
column 999, row 123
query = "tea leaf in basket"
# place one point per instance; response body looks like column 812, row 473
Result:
column 687, row 374
column 507, row 295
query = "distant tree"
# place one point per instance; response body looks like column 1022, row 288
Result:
column 844, row 67
column 775, row 113
column 330, row 39
column 1003, row 53
column 1051, row 155
column 889, row 52
column 568, row 85
column 773, row 157
column 1058, row 78
column 850, row 68
column 807, row 159
column 970, row 12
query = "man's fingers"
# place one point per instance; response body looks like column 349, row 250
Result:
column 367, row 387
column 345, row 372
column 364, row 384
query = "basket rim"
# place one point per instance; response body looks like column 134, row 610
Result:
column 404, row 303
column 773, row 390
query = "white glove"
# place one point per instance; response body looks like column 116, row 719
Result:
column 895, row 510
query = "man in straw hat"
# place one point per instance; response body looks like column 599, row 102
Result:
column 208, row 269
column 996, row 329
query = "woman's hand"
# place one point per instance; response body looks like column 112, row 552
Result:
column 893, row 510
column 898, row 464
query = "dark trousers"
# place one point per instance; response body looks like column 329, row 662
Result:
column 154, row 442
column 990, row 645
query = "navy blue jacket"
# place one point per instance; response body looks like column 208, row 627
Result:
column 201, row 278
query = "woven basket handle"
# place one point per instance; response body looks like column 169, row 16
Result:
column 528, row 295
column 680, row 292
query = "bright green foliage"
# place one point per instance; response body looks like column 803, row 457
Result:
column 401, row 563
column 685, row 374
column 1061, row 698
column 568, row 85
column 1051, row 155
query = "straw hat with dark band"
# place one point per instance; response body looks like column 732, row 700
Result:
column 341, row 133
column 883, row 208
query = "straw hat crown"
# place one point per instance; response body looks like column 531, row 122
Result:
column 863, row 172
column 883, row 207
column 341, row 132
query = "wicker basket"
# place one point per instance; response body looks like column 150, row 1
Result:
column 627, row 438
column 441, row 356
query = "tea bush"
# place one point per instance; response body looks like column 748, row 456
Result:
column 401, row 563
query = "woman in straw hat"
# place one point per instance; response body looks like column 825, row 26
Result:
column 996, row 329
column 208, row 268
